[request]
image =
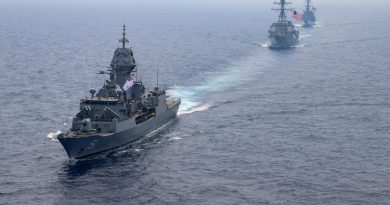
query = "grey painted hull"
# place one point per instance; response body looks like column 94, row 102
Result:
column 308, row 18
column 309, row 22
column 283, row 42
column 85, row 146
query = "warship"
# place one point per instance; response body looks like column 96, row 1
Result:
column 308, row 16
column 282, row 34
column 121, row 112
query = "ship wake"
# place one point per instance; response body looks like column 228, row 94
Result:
column 199, row 98
column 53, row 135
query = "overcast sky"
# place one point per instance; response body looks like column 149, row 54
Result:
column 171, row 2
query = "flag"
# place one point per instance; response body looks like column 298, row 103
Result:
column 297, row 16
column 129, row 83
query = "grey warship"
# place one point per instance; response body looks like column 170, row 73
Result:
column 282, row 34
column 121, row 112
column 308, row 17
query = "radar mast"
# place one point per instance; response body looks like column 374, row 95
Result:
column 308, row 5
column 124, row 40
column 282, row 9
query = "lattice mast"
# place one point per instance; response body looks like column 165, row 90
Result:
column 308, row 6
column 282, row 9
column 124, row 40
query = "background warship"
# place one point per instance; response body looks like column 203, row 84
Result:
column 282, row 34
column 121, row 112
column 308, row 16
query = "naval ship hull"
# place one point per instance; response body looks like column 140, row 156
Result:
column 86, row 146
column 282, row 42
column 308, row 23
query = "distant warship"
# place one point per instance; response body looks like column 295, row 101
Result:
column 122, row 111
column 282, row 34
column 308, row 17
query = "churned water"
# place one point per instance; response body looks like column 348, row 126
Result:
column 309, row 125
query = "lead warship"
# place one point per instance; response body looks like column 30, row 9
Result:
column 121, row 112
column 282, row 34
column 308, row 17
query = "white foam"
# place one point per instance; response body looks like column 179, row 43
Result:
column 305, row 36
column 53, row 135
column 189, row 110
column 175, row 138
column 188, row 97
column 239, row 72
column 264, row 44
column 299, row 46
column 156, row 131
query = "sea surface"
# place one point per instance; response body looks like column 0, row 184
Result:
column 308, row 125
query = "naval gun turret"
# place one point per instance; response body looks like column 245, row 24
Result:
column 282, row 33
column 308, row 17
column 122, row 111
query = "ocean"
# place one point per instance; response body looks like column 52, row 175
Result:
column 308, row 125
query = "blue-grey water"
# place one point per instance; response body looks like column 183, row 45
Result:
column 309, row 125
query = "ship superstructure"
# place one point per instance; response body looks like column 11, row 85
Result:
column 122, row 111
column 282, row 34
column 308, row 17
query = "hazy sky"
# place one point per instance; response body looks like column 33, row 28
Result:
column 93, row 6
column 171, row 2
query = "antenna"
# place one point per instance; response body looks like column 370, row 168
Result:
column 135, row 70
column 124, row 40
column 158, row 70
column 136, row 74
column 140, row 76
column 282, row 9
column 308, row 5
